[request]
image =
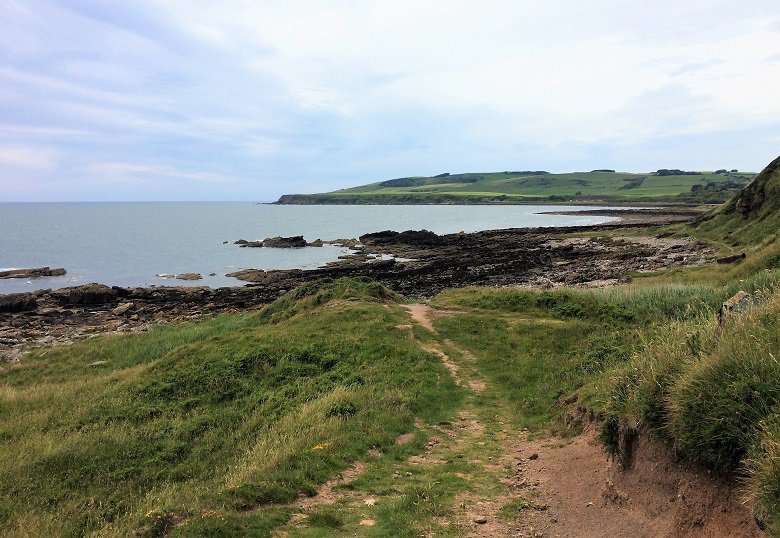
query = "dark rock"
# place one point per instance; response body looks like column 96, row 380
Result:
column 32, row 273
column 86, row 294
column 18, row 302
column 409, row 237
column 251, row 244
column 731, row 259
column 315, row 243
column 296, row 241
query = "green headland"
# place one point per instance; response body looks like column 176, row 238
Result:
column 664, row 186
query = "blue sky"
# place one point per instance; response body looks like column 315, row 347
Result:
column 247, row 100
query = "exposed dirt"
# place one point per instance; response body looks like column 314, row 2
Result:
column 421, row 313
column 570, row 488
column 578, row 492
column 326, row 493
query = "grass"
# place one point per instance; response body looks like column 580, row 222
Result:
column 521, row 187
column 712, row 391
column 234, row 414
column 216, row 428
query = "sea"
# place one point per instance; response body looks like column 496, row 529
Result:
column 130, row 244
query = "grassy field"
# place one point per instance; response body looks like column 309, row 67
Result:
column 536, row 187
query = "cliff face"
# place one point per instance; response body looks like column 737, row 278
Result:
column 761, row 197
column 752, row 216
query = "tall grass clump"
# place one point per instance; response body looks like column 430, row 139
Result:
column 711, row 390
column 638, row 391
column 717, row 403
column 317, row 293
column 763, row 474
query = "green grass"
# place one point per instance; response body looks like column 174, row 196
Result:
column 229, row 415
column 215, row 428
column 513, row 187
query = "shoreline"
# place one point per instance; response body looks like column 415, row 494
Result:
column 417, row 264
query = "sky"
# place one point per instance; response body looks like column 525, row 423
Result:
column 248, row 100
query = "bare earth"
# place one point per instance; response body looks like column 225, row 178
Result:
column 553, row 487
column 573, row 490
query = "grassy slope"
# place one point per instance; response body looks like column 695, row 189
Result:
column 509, row 187
column 190, row 423
column 752, row 218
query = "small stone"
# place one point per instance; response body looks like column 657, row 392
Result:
column 481, row 520
column 533, row 456
column 122, row 308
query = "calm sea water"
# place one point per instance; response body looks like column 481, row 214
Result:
column 127, row 244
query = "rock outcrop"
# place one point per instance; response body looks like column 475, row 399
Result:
column 18, row 302
column 32, row 273
column 189, row 276
column 296, row 241
column 88, row 294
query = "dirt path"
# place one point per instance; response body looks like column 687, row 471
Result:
column 512, row 485
column 422, row 314
column 569, row 488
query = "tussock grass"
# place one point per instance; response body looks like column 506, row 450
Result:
column 714, row 392
column 763, row 473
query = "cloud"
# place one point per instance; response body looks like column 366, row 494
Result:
column 28, row 157
column 144, row 173
column 241, row 99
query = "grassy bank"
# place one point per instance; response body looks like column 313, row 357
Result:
column 212, row 425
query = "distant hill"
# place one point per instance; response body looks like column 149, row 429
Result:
column 664, row 186
column 752, row 216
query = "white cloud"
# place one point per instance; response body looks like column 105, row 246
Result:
column 145, row 173
column 566, row 65
column 261, row 95
column 28, row 157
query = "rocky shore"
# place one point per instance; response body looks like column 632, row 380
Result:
column 414, row 263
